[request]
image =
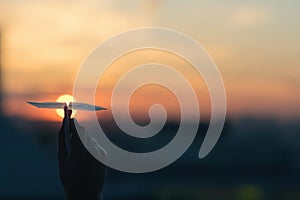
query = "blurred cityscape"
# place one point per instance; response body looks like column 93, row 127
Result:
column 254, row 159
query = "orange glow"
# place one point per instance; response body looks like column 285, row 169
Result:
column 45, row 42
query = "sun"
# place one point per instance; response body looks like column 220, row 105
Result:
column 65, row 98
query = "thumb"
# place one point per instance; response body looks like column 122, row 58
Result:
column 67, row 112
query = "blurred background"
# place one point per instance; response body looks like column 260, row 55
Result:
column 255, row 46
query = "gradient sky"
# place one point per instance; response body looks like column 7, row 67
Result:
column 255, row 45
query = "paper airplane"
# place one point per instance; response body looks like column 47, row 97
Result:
column 72, row 105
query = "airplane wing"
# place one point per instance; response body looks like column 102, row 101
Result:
column 73, row 105
column 85, row 106
column 51, row 105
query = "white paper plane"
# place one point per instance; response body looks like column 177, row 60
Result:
column 72, row 105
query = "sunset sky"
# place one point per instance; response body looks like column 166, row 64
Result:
column 256, row 46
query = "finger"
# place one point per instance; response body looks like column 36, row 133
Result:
column 65, row 110
column 67, row 134
column 62, row 151
column 69, row 113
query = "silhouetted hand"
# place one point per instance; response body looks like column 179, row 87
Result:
column 81, row 174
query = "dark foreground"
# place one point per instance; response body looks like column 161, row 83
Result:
column 254, row 159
